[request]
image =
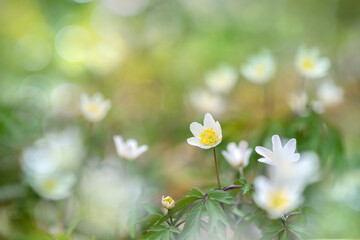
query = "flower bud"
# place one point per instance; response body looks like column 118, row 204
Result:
column 167, row 202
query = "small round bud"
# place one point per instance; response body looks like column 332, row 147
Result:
column 167, row 202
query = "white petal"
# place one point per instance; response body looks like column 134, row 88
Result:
column 196, row 129
column 194, row 141
column 267, row 161
column 277, row 147
column 141, row 150
column 290, row 146
column 209, row 121
column 218, row 130
column 263, row 151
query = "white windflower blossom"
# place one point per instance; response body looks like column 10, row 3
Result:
column 205, row 101
column 221, row 80
column 329, row 94
column 55, row 186
column 309, row 63
column 298, row 103
column 94, row 108
column 276, row 198
column 206, row 136
column 299, row 173
column 56, row 151
column 278, row 152
column 42, row 158
column 167, row 202
column 238, row 155
column 129, row 149
column 109, row 198
column 260, row 68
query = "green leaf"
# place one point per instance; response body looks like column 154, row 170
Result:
column 216, row 214
column 221, row 196
column 192, row 225
column 284, row 235
column 158, row 228
column 242, row 181
column 174, row 229
column 182, row 203
column 150, row 220
column 195, row 193
column 245, row 188
column 152, row 210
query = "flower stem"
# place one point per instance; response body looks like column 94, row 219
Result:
column 217, row 169
column 241, row 172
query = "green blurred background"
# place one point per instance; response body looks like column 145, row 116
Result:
column 147, row 57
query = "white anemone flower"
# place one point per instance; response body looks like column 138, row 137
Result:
column 94, row 108
column 260, row 68
column 276, row 198
column 238, row 155
column 309, row 63
column 205, row 101
column 222, row 79
column 42, row 158
column 299, row 173
column 53, row 187
column 129, row 149
column 329, row 94
column 278, row 152
column 206, row 136
column 56, row 151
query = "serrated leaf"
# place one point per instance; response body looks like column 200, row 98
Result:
column 245, row 188
column 174, row 229
column 273, row 227
column 215, row 213
column 195, row 193
column 284, row 235
column 192, row 224
column 221, row 196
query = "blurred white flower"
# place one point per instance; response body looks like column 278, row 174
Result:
column 238, row 155
column 205, row 101
column 298, row 103
column 167, row 202
column 129, row 149
column 109, row 198
column 205, row 136
column 57, row 151
column 222, row 79
column 309, row 63
column 55, row 186
column 276, row 198
column 279, row 152
column 94, row 108
column 329, row 94
column 299, row 173
column 259, row 68
column 42, row 158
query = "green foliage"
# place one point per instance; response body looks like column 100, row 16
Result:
column 221, row 196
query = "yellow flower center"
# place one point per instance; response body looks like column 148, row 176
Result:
column 93, row 108
column 278, row 200
column 168, row 199
column 260, row 69
column 308, row 64
column 49, row 185
column 208, row 137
